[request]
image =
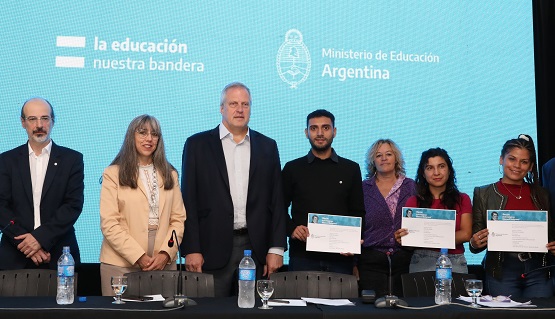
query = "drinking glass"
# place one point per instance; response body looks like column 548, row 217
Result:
column 474, row 289
column 119, row 284
column 265, row 289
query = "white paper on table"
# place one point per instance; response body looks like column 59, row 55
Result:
column 429, row 228
column 292, row 302
column 488, row 301
column 329, row 302
column 334, row 233
column 154, row 298
column 517, row 230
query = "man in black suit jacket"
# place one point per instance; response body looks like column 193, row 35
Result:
column 41, row 195
column 231, row 186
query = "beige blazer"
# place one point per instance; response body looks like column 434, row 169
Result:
column 124, row 220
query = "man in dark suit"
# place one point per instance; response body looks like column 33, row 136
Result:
column 41, row 194
column 232, row 191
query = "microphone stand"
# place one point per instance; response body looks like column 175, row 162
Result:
column 7, row 226
column 179, row 299
column 524, row 275
column 389, row 300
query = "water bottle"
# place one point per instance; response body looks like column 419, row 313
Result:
column 66, row 271
column 247, row 281
column 444, row 277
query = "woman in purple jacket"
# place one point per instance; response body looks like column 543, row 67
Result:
column 386, row 190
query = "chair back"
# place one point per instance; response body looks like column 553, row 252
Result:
column 30, row 282
column 422, row 284
column 164, row 282
column 315, row 284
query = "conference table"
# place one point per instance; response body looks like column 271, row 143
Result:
column 216, row 308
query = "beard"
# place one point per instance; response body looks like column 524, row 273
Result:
column 321, row 148
column 40, row 139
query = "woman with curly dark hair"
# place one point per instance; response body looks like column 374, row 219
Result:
column 436, row 189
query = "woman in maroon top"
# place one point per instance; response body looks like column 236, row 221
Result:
column 518, row 189
column 436, row 188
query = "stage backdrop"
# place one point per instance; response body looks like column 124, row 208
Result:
column 453, row 74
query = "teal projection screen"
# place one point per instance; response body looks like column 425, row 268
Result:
column 424, row 73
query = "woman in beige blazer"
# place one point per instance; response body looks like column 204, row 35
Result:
column 140, row 205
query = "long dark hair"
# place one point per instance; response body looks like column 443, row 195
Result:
column 451, row 196
column 525, row 142
column 127, row 158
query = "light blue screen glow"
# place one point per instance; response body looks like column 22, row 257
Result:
column 453, row 74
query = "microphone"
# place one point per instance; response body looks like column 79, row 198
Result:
column 7, row 226
column 179, row 299
column 390, row 300
column 524, row 275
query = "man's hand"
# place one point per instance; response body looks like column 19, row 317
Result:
column 194, row 262
column 41, row 257
column 158, row 262
column 29, row 245
column 273, row 263
column 300, row 233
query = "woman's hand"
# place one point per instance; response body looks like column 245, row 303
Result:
column 480, row 239
column 144, row 262
column 158, row 262
column 351, row 254
column 551, row 247
column 400, row 233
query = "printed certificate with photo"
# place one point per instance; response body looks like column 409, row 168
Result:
column 517, row 230
column 429, row 228
column 333, row 233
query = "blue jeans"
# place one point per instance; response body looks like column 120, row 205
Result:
column 425, row 260
column 535, row 285
column 343, row 266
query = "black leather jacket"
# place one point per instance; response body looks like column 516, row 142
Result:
column 489, row 197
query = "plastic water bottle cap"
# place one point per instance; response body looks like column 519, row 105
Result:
column 248, row 252
column 444, row 251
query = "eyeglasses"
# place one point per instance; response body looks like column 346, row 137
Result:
column 144, row 133
column 34, row 119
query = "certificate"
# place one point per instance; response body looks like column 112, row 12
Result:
column 517, row 230
column 429, row 228
column 333, row 233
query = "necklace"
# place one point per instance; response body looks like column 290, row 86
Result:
column 519, row 193
column 153, row 190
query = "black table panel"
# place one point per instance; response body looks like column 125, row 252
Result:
column 216, row 308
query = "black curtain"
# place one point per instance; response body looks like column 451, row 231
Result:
column 544, row 42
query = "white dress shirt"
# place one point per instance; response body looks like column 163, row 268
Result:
column 37, row 166
column 238, row 162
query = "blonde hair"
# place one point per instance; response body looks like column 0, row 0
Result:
column 399, row 161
